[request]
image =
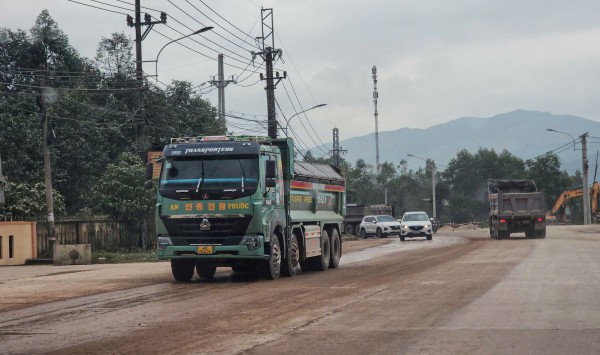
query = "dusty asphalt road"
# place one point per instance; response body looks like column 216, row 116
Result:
column 460, row 293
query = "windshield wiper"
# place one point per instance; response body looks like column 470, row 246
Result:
column 201, row 179
column 243, row 174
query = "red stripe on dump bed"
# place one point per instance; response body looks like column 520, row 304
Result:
column 334, row 188
column 302, row 185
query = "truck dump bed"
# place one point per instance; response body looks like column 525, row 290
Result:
column 515, row 198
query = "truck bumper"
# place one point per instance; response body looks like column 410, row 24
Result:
column 208, row 251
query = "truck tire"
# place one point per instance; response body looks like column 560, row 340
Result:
column 357, row 230
column 363, row 234
column 349, row 229
column 182, row 269
column 272, row 267
column 541, row 234
column 289, row 266
column 336, row 249
column 321, row 262
column 206, row 272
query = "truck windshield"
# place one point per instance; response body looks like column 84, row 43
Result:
column 218, row 178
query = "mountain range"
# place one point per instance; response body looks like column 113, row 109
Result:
column 523, row 133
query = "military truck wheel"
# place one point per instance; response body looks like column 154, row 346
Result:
column 206, row 272
column 541, row 234
column 321, row 263
column 272, row 267
column 289, row 267
column 378, row 233
column 363, row 233
column 348, row 229
column 182, row 269
column 336, row 249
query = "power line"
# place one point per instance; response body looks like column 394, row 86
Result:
column 100, row 8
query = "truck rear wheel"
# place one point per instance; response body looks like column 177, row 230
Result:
column 289, row 267
column 182, row 269
column 272, row 267
column 321, row 262
column 363, row 233
column 206, row 272
column 336, row 249
column 349, row 229
column 357, row 230
column 541, row 234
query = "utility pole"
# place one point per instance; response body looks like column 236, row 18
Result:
column 335, row 152
column 375, row 97
column 269, row 54
column 47, row 163
column 2, row 184
column 221, row 83
column 585, row 186
column 140, row 131
column 433, row 187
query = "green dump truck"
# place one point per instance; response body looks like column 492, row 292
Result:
column 244, row 203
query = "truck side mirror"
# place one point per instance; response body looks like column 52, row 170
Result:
column 270, row 173
column 149, row 171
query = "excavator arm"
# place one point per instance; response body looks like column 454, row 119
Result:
column 566, row 196
column 570, row 194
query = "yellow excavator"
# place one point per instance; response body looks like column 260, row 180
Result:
column 570, row 194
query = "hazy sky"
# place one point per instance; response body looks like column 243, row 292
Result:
column 437, row 60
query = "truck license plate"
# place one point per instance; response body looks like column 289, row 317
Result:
column 205, row 249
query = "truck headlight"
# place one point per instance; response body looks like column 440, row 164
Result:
column 163, row 242
column 252, row 242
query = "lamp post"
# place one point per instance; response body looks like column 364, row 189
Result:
column 287, row 122
column 587, row 217
column 432, row 181
column 173, row 41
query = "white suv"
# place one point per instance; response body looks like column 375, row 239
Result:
column 415, row 224
column 379, row 226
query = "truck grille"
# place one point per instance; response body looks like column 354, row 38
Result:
column 223, row 230
column 416, row 228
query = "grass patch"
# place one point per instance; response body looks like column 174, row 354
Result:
column 123, row 256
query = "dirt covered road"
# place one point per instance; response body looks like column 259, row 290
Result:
column 460, row 293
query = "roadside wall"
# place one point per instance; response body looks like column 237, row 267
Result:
column 17, row 242
column 100, row 233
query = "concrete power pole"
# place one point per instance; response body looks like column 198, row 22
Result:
column 335, row 152
column 269, row 54
column 585, row 183
column 375, row 97
column 140, row 130
column 47, row 163
column 221, row 83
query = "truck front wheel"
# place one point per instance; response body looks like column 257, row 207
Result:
column 206, row 272
column 289, row 267
column 182, row 269
column 272, row 267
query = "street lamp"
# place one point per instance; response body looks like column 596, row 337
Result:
column 432, row 180
column 587, row 218
column 175, row 40
column 553, row 130
column 287, row 122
